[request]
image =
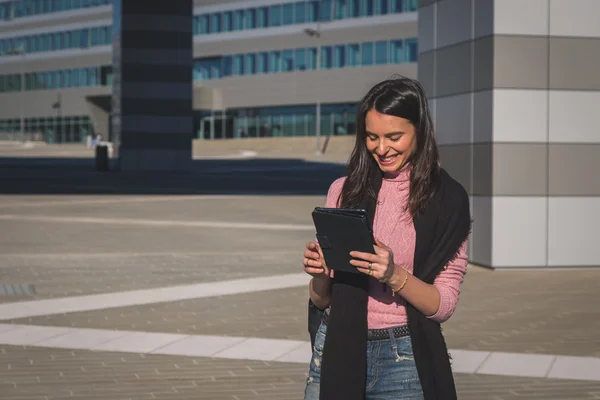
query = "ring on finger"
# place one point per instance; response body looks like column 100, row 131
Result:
column 370, row 272
column 370, row 266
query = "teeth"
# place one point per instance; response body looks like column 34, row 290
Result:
column 389, row 158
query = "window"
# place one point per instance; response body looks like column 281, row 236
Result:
column 381, row 52
column 251, row 64
column 353, row 55
column 275, row 61
column 340, row 9
column 215, row 23
column 381, row 7
column 251, row 18
column 412, row 51
column 204, row 24
column 326, row 61
column 325, row 10
column 339, row 59
column 288, row 14
column 367, row 8
column 275, row 16
column 227, row 65
column 354, row 8
column 238, row 64
column 396, row 52
column 311, row 58
column 262, row 63
column 227, row 21
column 288, row 61
column 300, row 59
column 411, row 5
column 367, row 53
column 300, row 12
column 263, row 17
column 397, row 6
column 313, row 11
column 196, row 25
column 239, row 20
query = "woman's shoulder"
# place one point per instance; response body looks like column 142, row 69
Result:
column 333, row 194
column 454, row 191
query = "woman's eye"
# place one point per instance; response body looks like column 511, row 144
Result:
column 395, row 139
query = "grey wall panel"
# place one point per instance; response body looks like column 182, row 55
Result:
column 456, row 159
column 53, row 64
column 481, row 241
column 426, row 73
column 483, row 53
column 483, row 158
column 427, row 29
column 520, row 169
column 483, row 116
column 574, row 169
column 300, row 39
column 39, row 103
column 453, row 70
column 575, row 63
column 331, row 86
column 521, row 62
column 453, row 22
column 483, row 18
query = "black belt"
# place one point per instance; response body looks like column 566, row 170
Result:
column 379, row 334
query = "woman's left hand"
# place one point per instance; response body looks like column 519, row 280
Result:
column 379, row 265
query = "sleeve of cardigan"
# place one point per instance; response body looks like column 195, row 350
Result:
column 448, row 284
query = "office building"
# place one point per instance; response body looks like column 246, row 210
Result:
column 260, row 68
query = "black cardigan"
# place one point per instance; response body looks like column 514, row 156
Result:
column 440, row 231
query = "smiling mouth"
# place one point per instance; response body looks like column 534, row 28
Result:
column 387, row 160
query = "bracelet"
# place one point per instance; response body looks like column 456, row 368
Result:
column 401, row 286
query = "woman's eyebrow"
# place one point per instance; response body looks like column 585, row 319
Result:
column 387, row 134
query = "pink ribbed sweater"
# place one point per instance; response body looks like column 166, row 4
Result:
column 393, row 226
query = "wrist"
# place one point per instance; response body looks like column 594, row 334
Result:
column 399, row 279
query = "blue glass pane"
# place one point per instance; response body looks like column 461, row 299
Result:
column 367, row 8
column 263, row 63
column 412, row 50
column 238, row 64
column 263, row 17
column 204, row 24
column 300, row 59
column 275, row 16
column 227, row 21
column 339, row 60
column 227, row 65
column 300, row 12
column 367, row 53
column 288, row 61
column 341, row 8
column 238, row 24
column 288, row 14
column 311, row 58
column 313, row 11
column 411, row 5
column 397, row 6
column 215, row 23
column 275, row 61
column 251, row 18
column 250, row 64
column 325, row 10
column 396, row 52
column 353, row 55
column 381, row 52
column 326, row 57
column 381, row 7
column 354, row 8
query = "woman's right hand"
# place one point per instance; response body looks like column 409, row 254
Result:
column 314, row 262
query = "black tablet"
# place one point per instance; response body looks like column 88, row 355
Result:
column 340, row 231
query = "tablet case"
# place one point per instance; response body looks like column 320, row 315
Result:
column 340, row 231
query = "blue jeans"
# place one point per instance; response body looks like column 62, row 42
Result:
column 391, row 369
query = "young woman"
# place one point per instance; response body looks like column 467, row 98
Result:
column 380, row 335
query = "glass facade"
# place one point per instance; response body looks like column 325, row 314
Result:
column 81, row 38
column 286, row 121
column 64, row 129
column 299, row 12
column 27, row 8
column 336, row 56
column 60, row 79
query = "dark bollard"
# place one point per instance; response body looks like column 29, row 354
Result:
column 102, row 157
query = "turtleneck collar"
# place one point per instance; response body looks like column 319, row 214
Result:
column 403, row 175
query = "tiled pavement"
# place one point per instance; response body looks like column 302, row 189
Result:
column 541, row 312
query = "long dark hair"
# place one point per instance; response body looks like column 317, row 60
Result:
column 405, row 98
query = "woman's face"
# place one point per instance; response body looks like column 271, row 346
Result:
column 391, row 140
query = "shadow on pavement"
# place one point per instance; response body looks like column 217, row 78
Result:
column 78, row 176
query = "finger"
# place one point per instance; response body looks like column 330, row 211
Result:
column 312, row 263
column 311, row 254
column 314, row 271
column 380, row 244
column 312, row 246
column 364, row 256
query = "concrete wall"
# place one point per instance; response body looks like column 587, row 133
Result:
column 515, row 93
